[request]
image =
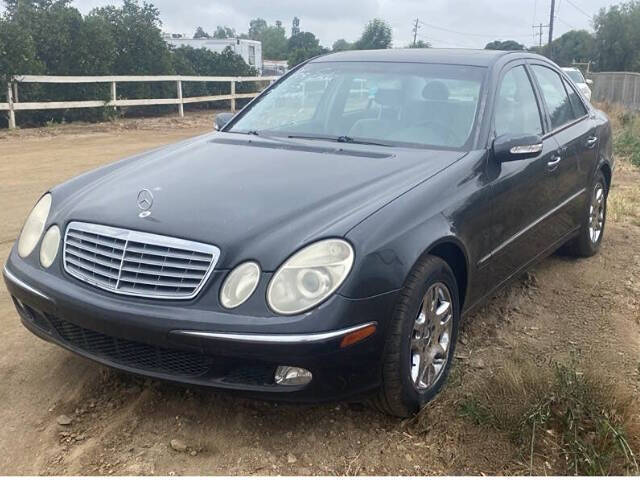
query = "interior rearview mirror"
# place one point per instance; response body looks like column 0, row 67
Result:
column 508, row 148
column 222, row 119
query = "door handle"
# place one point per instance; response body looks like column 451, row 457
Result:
column 553, row 163
column 591, row 141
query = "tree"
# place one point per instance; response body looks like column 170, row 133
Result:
column 376, row 35
column 224, row 32
column 573, row 46
column 139, row 46
column 419, row 44
column 200, row 33
column 303, row 46
column 617, row 37
column 274, row 42
column 504, row 45
column 256, row 27
column 295, row 26
column 341, row 45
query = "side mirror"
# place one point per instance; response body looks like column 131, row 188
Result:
column 589, row 82
column 508, row 148
column 222, row 119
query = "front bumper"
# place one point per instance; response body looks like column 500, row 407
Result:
column 173, row 341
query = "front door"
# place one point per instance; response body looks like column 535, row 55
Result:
column 520, row 190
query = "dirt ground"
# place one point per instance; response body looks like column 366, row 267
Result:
column 125, row 425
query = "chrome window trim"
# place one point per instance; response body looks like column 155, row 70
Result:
column 142, row 237
column 274, row 338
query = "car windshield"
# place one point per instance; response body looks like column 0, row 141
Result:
column 390, row 104
column 575, row 75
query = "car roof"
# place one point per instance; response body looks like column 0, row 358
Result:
column 453, row 56
column 568, row 69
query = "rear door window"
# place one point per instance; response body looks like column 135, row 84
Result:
column 579, row 109
column 555, row 96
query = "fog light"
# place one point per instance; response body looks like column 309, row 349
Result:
column 292, row 375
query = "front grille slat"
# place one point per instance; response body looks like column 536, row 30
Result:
column 114, row 253
column 129, row 262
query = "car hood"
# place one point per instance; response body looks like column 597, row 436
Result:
column 253, row 198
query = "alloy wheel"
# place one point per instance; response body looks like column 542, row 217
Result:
column 596, row 213
column 431, row 337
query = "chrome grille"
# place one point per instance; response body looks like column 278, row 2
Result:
column 137, row 263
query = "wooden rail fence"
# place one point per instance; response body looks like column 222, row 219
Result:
column 13, row 103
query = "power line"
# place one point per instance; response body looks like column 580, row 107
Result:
column 566, row 23
column 491, row 35
column 579, row 9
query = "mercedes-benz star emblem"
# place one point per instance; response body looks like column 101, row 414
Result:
column 145, row 201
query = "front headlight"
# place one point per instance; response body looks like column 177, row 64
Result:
column 49, row 246
column 310, row 276
column 240, row 284
column 34, row 226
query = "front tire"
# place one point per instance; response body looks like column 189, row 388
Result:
column 421, row 339
column 588, row 241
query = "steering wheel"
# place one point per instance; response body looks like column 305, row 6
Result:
column 447, row 132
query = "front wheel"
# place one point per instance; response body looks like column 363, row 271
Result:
column 588, row 241
column 421, row 339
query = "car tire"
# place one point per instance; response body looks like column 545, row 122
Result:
column 421, row 315
column 589, row 239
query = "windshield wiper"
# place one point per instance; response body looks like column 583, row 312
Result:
column 339, row 139
column 347, row 139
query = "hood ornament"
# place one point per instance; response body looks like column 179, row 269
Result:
column 145, row 202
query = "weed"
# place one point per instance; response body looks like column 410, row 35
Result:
column 575, row 420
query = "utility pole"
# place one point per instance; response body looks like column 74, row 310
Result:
column 551, row 18
column 416, row 26
column 539, row 35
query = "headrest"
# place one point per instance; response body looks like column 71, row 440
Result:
column 389, row 97
column 435, row 90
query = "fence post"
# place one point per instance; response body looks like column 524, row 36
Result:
column 181, row 104
column 15, row 92
column 114, row 95
column 233, row 96
column 12, row 113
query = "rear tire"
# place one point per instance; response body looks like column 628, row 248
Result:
column 589, row 239
column 421, row 339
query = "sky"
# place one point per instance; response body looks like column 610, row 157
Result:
column 443, row 23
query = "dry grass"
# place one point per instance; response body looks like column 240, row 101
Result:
column 563, row 418
column 624, row 200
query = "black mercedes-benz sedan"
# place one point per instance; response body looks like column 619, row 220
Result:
column 326, row 240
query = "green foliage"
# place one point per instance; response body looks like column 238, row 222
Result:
column 295, row 26
column 256, row 27
column 303, row 46
column 571, row 419
column 200, row 33
column 224, row 32
column 617, row 37
column 341, row 45
column 627, row 141
column 376, row 35
column 419, row 44
column 274, row 42
column 52, row 37
column 573, row 46
column 504, row 45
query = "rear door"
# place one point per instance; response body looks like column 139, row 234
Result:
column 574, row 132
column 520, row 199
